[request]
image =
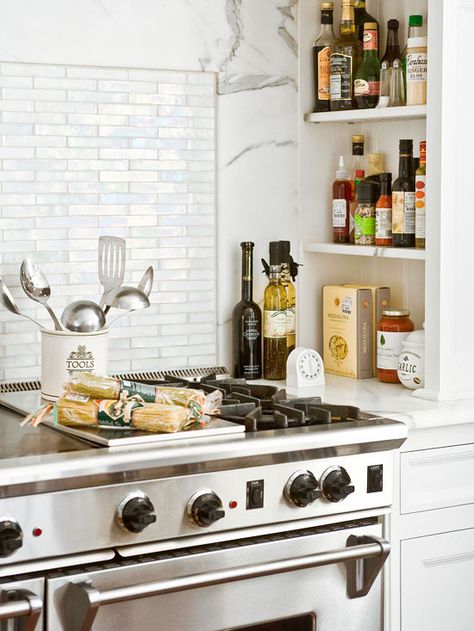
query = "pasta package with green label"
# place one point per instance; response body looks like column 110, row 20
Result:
column 76, row 410
column 97, row 387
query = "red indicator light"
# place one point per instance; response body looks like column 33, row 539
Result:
column 37, row 532
column 233, row 504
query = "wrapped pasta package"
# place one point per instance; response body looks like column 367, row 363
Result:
column 77, row 410
column 97, row 387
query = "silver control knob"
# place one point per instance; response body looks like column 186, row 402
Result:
column 135, row 512
column 205, row 508
column 302, row 489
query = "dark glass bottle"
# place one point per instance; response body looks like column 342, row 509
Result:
column 392, row 51
column 361, row 17
column 367, row 79
column 322, row 58
column 346, row 55
column 403, row 199
column 247, row 324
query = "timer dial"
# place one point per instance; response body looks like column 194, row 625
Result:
column 304, row 368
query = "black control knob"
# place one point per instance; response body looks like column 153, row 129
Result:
column 205, row 508
column 302, row 489
column 136, row 512
column 11, row 536
column 337, row 485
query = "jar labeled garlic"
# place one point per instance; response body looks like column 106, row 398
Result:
column 417, row 70
column 392, row 330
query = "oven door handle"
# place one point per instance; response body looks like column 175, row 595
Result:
column 18, row 603
column 364, row 556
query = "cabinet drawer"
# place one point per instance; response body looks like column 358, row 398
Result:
column 436, row 582
column 437, row 478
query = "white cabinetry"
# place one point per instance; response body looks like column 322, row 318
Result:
column 437, row 582
column 434, row 285
column 431, row 581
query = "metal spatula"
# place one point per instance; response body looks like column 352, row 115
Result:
column 111, row 263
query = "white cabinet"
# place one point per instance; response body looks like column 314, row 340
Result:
column 438, row 582
column 434, row 284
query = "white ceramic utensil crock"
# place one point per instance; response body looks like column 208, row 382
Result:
column 65, row 352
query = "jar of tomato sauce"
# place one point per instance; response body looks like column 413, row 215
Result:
column 392, row 330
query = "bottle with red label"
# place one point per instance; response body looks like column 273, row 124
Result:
column 367, row 78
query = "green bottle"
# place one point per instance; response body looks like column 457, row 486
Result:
column 367, row 78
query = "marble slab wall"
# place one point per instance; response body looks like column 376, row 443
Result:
column 251, row 45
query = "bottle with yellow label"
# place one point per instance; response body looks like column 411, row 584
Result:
column 322, row 57
column 275, row 327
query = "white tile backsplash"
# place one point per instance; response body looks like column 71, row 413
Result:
column 88, row 151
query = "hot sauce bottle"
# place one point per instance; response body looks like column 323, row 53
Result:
column 383, row 212
column 342, row 194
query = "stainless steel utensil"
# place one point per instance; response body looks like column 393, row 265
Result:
column 83, row 316
column 126, row 298
column 8, row 302
column 112, row 255
column 36, row 287
column 146, row 281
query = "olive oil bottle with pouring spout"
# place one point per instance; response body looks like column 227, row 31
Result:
column 275, row 345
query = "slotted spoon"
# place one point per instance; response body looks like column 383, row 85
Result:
column 111, row 264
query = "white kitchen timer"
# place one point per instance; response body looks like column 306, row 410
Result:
column 304, row 368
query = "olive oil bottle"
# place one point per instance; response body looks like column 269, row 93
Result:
column 346, row 56
column 290, row 295
column 275, row 346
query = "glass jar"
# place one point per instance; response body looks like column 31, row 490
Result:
column 364, row 216
column 392, row 331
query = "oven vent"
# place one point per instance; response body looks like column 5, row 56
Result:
column 180, row 373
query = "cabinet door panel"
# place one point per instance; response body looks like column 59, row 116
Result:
column 437, row 592
column 437, row 478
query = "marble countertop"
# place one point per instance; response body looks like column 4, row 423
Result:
column 393, row 401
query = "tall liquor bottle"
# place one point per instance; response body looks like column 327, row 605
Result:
column 346, row 55
column 247, row 324
column 392, row 50
column 290, row 295
column 322, row 57
column 274, row 327
column 367, row 78
column 403, row 199
column 361, row 17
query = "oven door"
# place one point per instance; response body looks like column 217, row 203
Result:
column 312, row 580
column 21, row 605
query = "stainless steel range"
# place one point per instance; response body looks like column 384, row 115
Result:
column 280, row 528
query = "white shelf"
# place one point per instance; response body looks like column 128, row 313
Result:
column 409, row 112
column 366, row 250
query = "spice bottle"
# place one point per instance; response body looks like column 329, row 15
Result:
column 359, row 176
column 417, row 70
column 420, row 207
column 275, row 327
column 392, row 331
column 383, row 212
column 341, row 199
column 364, row 218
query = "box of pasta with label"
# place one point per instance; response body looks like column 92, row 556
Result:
column 381, row 300
column 347, row 331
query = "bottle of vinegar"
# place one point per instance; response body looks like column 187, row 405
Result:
column 321, row 58
column 247, row 324
column 274, row 327
column 403, row 199
column 346, row 55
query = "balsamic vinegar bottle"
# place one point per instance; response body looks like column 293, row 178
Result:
column 247, row 324
column 404, row 198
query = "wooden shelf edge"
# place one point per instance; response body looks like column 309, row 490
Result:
column 366, row 250
column 368, row 116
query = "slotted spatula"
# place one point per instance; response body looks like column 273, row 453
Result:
column 111, row 264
